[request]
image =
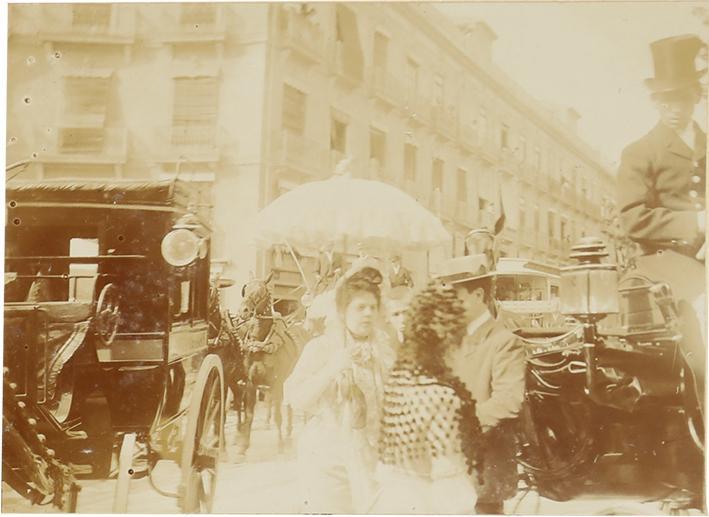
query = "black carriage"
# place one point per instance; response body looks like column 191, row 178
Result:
column 612, row 406
column 107, row 366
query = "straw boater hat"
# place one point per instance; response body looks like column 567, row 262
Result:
column 674, row 61
column 480, row 262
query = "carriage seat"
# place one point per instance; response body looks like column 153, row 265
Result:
column 67, row 312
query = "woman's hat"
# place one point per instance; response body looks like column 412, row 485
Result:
column 674, row 62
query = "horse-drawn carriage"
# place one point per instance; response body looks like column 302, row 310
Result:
column 107, row 366
column 612, row 406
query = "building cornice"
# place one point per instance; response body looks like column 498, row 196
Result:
column 500, row 87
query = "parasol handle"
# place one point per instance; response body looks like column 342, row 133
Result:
column 297, row 264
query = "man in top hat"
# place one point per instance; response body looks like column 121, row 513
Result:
column 491, row 363
column 662, row 181
column 398, row 274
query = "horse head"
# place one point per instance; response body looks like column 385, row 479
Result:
column 256, row 298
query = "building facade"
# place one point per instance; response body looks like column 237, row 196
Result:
column 255, row 99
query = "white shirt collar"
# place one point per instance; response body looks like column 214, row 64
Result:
column 478, row 322
column 688, row 135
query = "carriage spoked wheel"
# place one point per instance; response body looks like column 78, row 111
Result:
column 125, row 474
column 203, row 439
column 106, row 317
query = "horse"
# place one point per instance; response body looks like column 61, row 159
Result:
column 271, row 346
column 224, row 338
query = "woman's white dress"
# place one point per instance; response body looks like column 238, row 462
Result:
column 336, row 449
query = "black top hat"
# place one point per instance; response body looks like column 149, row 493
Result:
column 674, row 63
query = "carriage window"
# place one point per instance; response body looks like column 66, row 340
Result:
column 184, row 297
column 82, row 277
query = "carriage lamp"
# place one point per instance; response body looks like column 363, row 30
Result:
column 185, row 242
column 589, row 289
column 589, row 292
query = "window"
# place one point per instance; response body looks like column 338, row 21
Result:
column 81, row 140
column 194, row 114
column 462, row 186
column 505, row 136
column 91, row 15
column 535, row 218
column 537, row 158
column 438, row 90
column 377, row 147
column 521, row 211
column 482, row 126
column 294, row 109
column 198, row 14
column 82, row 277
column 381, row 51
column 412, row 78
column 410, row 162
column 522, row 149
column 338, row 135
column 551, row 219
column 437, row 175
column 86, row 95
column 563, row 235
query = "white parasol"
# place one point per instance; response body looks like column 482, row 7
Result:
column 344, row 209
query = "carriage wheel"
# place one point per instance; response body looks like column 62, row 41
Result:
column 204, row 439
column 107, row 314
column 125, row 474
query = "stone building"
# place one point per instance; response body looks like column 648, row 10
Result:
column 254, row 99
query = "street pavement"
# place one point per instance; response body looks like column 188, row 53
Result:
column 265, row 481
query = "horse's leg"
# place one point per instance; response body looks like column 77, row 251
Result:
column 269, row 407
column 244, row 436
column 289, row 420
column 277, row 402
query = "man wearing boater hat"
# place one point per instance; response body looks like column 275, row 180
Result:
column 491, row 363
column 662, row 181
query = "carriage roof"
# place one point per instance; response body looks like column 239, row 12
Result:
column 168, row 195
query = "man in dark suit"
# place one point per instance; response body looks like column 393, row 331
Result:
column 398, row 274
column 662, row 181
column 491, row 362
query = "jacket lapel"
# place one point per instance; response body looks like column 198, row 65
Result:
column 669, row 139
column 700, row 145
column 479, row 336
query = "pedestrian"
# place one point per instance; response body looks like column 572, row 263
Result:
column 397, row 303
column 429, row 445
column 491, row 363
column 398, row 274
column 338, row 382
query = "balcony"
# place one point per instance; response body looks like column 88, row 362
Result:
column 112, row 24
column 418, row 109
column 386, row 87
column 88, row 145
column 468, row 137
column 299, row 154
column 348, row 72
column 299, row 36
column 194, row 23
column 444, row 121
column 190, row 143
